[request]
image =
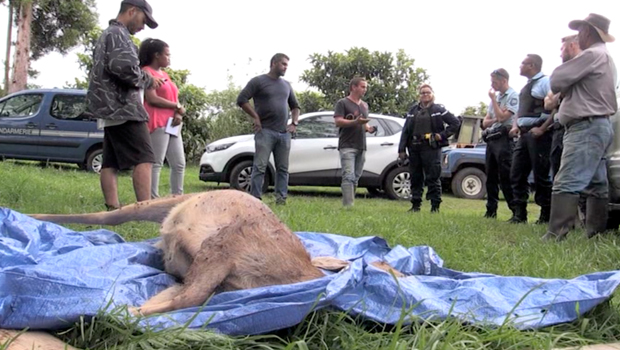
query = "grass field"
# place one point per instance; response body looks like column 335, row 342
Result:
column 459, row 234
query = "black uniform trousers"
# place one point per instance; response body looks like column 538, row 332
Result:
column 425, row 170
column 498, row 164
column 531, row 153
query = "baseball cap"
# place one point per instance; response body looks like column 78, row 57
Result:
column 146, row 8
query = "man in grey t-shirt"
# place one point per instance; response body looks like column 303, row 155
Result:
column 351, row 116
column 272, row 96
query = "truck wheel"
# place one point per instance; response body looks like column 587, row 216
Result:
column 469, row 183
column 241, row 175
column 398, row 184
column 94, row 160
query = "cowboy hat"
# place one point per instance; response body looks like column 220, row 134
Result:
column 598, row 22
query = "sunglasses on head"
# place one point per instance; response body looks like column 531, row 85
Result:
column 498, row 72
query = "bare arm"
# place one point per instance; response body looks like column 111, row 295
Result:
column 156, row 101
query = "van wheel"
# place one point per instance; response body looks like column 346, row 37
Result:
column 398, row 184
column 241, row 175
column 469, row 183
column 94, row 160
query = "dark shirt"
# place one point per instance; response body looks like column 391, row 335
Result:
column 272, row 100
column 116, row 78
column 353, row 136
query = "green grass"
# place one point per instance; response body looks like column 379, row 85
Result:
column 459, row 234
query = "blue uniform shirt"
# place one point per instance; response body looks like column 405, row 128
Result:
column 508, row 100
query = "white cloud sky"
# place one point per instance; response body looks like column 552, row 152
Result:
column 458, row 42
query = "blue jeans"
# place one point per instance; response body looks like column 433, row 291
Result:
column 584, row 164
column 352, row 163
column 267, row 141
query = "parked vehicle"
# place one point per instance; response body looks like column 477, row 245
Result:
column 463, row 171
column 50, row 125
column 314, row 157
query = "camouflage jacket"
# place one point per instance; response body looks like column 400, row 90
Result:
column 116, row 78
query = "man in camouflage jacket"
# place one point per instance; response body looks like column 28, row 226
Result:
column 114, row 96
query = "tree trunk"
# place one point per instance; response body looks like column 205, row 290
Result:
column 22, row 48
column 9, row 45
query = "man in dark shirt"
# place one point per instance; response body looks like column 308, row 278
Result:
column 114, row 96
column 273, row 96
column 351, row 116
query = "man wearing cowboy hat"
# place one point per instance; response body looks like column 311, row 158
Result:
column 587, row 84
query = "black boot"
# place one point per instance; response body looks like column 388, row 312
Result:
column 544, row 216
column 415, row 207
column 519, row 214
column 491, row 213
column 435, row 208
column 596, row 215
column 563, row 213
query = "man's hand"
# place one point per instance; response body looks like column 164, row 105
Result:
column 537, row 131
column 492, row 94
column 514, row 132
column 257, row 126
column 552, row 101
column 362, row 120
column 437, row 137
column 402, row 155
column 177, row 119
column 291, row 128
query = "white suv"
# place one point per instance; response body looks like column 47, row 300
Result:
column 314, row 157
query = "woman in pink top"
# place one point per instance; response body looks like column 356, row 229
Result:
column 165, row 113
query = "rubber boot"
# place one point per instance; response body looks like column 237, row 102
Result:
column 596, row 215
column 544, row 216
column 347, row 195
column 519, row 214
column 563, row 213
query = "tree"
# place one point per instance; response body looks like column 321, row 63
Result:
column 392, row 78
column 311, row 101
column 480, row 110
column 44, row 26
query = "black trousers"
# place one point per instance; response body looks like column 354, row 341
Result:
column 557, row 145
column 425, row 169
column 531, row 153
column 498, row 164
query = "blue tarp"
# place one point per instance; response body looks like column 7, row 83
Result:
column 50, row 276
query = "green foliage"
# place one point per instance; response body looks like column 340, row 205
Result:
column 392, row 78
column 60, row 25
column 311, row 101
column 225, row 117
column 480, row 110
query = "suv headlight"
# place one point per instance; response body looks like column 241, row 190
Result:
column 220, row 147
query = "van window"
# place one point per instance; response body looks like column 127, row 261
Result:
column 21, row 106
column 69, row 107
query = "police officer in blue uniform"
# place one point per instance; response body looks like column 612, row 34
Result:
column 423, row 136
column 496, row 124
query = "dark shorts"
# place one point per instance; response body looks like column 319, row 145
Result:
column 127, row 145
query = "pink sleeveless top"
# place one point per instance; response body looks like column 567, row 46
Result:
column 158, row 117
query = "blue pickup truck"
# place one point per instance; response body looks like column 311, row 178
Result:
column 50, row 125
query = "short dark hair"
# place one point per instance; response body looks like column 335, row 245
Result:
column 500, row 72
column 536, row 61
column 277, row 58
column 148, row 49
column 570, row 39
column 355, row 82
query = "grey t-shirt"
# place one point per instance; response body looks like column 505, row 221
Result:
column 352, row 136
column 272, row 100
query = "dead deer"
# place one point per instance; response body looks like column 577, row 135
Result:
column 216, row 241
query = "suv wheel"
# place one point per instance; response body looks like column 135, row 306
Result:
column 241, row 175
column 469, row 183
column 398, row 184
column 94, row 160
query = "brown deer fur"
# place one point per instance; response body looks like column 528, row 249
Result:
column 216, row 241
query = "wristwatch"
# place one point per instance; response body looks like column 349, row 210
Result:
column 295, row 123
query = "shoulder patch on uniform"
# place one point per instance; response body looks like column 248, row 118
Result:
column 513, row 101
